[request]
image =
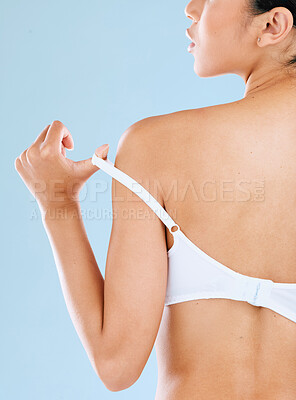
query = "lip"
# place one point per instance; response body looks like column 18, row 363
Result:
column 191, row 46
column 189, row 37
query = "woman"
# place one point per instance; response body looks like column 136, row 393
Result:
column 222, row 329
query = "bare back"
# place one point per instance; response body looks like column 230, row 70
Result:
column 235, row 168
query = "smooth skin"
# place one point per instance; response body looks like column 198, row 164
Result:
column 232, row 168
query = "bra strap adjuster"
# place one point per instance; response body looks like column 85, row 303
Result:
column 173, row 226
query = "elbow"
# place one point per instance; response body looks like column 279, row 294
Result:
column 116, row 375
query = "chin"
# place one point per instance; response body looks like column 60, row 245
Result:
column 204, row 71
column 201, row 71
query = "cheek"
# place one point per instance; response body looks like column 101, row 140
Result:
column 219, row 27
column 219, row 49
column 212, row 29
column 217, row 36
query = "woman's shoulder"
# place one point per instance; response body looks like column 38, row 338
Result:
column 173, row 121
column 154, row 139
column 165, row 130
column 164, row 122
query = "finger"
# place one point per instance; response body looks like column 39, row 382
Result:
column 56, row 134
column 41, row 137
column 86, row 168
column 63, row 150
column 23, row 157
column 102, row 151
column 68, row 141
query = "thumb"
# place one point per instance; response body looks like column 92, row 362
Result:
column 102, row 151
column 86, row 168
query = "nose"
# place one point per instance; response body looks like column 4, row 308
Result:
column 189, row 11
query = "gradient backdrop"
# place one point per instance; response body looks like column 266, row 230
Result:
column 98, row 66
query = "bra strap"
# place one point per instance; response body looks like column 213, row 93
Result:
column 134, row 186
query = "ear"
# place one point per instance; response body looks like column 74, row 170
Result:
column 277, row 26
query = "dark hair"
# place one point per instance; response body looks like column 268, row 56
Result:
column 258, row 7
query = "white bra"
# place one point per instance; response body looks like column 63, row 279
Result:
column 193, row 275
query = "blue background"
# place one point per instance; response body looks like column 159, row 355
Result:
column 98, row 66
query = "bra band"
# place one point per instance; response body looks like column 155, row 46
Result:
column 108, row 167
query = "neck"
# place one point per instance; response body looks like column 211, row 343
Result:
column 263, row 79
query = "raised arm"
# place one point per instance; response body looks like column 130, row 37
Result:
column 117, row 320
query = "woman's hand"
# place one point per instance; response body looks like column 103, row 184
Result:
column 54, row 180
